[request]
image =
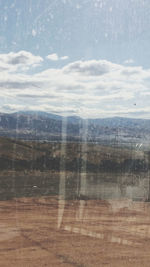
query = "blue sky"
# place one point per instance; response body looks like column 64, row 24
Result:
column 88, row 58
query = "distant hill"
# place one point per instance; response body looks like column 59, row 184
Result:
column 31, row 125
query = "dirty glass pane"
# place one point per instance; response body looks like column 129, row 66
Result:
column 74, row 133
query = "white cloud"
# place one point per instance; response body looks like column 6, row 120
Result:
column 129, row 61
column 55, row 57
column 95, row 88
column 64, row 58
column 91, row 67
column 19, row 61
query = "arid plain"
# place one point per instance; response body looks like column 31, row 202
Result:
column 89, row 233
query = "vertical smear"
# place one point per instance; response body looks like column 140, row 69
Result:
column 81, row 209
column 62, row 183
column 13, row 177
column 83, row 176
column 84, row 157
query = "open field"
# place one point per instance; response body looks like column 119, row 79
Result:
column 72, row 205
column 50, row 232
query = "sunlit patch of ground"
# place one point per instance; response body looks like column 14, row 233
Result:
column 97, row 233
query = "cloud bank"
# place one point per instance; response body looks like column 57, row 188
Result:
column 94, row 88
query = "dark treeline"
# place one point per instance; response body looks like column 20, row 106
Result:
column 44, row 163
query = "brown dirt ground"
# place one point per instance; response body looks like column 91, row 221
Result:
column 91, row 233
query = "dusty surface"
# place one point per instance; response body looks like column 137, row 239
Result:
column 90, row 233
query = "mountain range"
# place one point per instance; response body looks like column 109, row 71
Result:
column 37, row 125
